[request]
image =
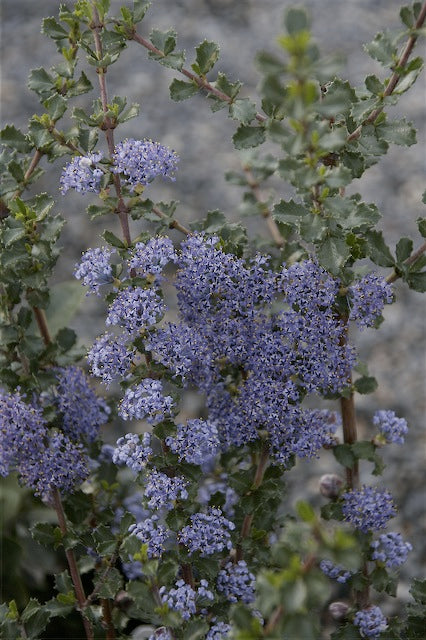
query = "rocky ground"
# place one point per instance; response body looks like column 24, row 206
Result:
column 241, row 27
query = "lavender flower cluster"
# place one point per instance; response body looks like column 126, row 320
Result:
column 236, row 582
column 392, row 429
column 208, row 533
column 182, row 597
column 335, row 571
column 368, row 509
column 370, row 622
column 391, row 549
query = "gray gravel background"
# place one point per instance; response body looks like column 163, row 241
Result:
column 241, row 27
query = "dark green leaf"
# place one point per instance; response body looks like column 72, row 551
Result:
column 113, row 240
column 366, row 384
column 343, row 454
column 41, row 82
column 140, row 7
column 404, row 249
column 83, row 85
column 378, row 250
column 406, row 15
column 39, row 135
column 111, row 585
column 333, row 253
column 44, row 533
column 363, row 449
column 289, row 212
column 35, row 619
column 66, row 338
column 397, row 132
column 338, row 100
column 296, row 20
column 374, row 85
column 416, row 281
column 360, row 110
column 421, row 224
column 382, row 49
column 165, row 41
column 418, row 590
column 56, row 106
column 52, row 29
column 246, row 137
column 11, row 137
column 180, row 90
column 407, row 81
column 243, row 110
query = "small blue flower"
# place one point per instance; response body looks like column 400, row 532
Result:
column 94, row 268
column 368, row 508
column 143, row 160
column 146, row 401
column 335, row 571
column 135, row 309
column 370, row 622
column 82, row 174
column 392, row 428
column 132, row 452
column 236, row 582
column 208, row 533
column 368, row 297
column 391, row 549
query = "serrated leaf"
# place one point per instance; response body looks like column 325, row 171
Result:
column 243, row 110
column 362, row 109
column 113, row 240
column 165, row 41
column 366, row 384
column 421, row 223
column 83, row 85
column 140, row 7
column 52, row 29
column 44, row 533
column 66, row 338
column 404, row 249
column 41, row 82
column 112, row 584
column 180, row 90
column 378, row 250
column 56, row 106
column 289, row 212
column 247, row 137
column 333, row 253
column 227, row 87
column 397, row 132
column 374, row 85
column 416, row 280
column 12, row 137
column 382, row 49
column 35, row 618
column 207, row 56
column 12, row 235
column 407, row 81
column 339, row 99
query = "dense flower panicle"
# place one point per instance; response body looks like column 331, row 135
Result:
column 109, row 358
column 196, row 442
column 391, row 549
column 146, row 401
column 162, row 490
column 143, row 160
column 208, row 533
column 135, row 309
column 82, row 174
column 368, row 297
column 63, row 465
column 183, row 597
column 368, row 508
column 132, row 452
column 219, row 631
column 151, row 258
column 94, row 268
column 370, row 622
column 236, row 582
column 22, row 432
column 82, row 411
column 335, row 571
column 392, row 428
column 308, row 286
column 152, row 534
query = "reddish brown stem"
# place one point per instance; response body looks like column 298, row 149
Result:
column 107, row 617
column 174, row 224
column 274, row 619
column 42, row 325
column 395, row 77
column 347, row 406
column 411, row 260
column 266, row 213
column 201, row 82
column 72, row 563
column 187, row 574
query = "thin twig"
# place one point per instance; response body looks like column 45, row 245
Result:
column 40, row 317
column 395, row 77
column 174, row 224
column 200, row 81
column 274, row 619
column 72, row 563
column 107, row 616
column 411, row 260
column 264, row 209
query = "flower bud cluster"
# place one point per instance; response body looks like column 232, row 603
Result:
column 391, row 549
column 183, row 597
column 236, row 582
column 370, row 622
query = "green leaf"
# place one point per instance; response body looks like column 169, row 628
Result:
column 416, row 281
column 207, row 56
column 362, row 109
column 421, row 224
column 113, row 240
column 243, row 110
column 39, row 135
column 418, row 590
column 404, row 249
column 112, row 584
column 66, row 338
column 13, row 234
column 83, row 85
column 382, row 49
column 65, row 299
column 406, row 15
column 11, row 137
column 407, row 81
column 366, row 384
column 397, row 132
column 305, row 512
column 165, row 41
column 364, row 450
column 246, row 137
column 333, row 253
column 289, row 212
column 344, row 455
column 35, row 619
column 52, row 29
column 140, row 7
column 339, row 99
column 196, row 630
column 378, row 250
column 41, row 82
column 180, row 90
column 44, row 533
column 296, row 20
column 56, row 106
column 374, row 85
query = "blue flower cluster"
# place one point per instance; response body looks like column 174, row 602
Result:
column 368, row 297
column 151, row 533
column 183, row 597
column 81, row 410
column 149, row 259
column 94, row 268
column 146, row 400
column 143, row 160
column 335, row 571
column 219, row 631
column 82, row 174
column 208, row 533
column 161, row 634
column 393, row 429
column 236, row 582
column 368, row 509
column 162, row 491
column 391, row 549
column 135, row 309
column 196, row 442
column 131, row 452
column 43, row 459
column 370, row 622
column 109, row 358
